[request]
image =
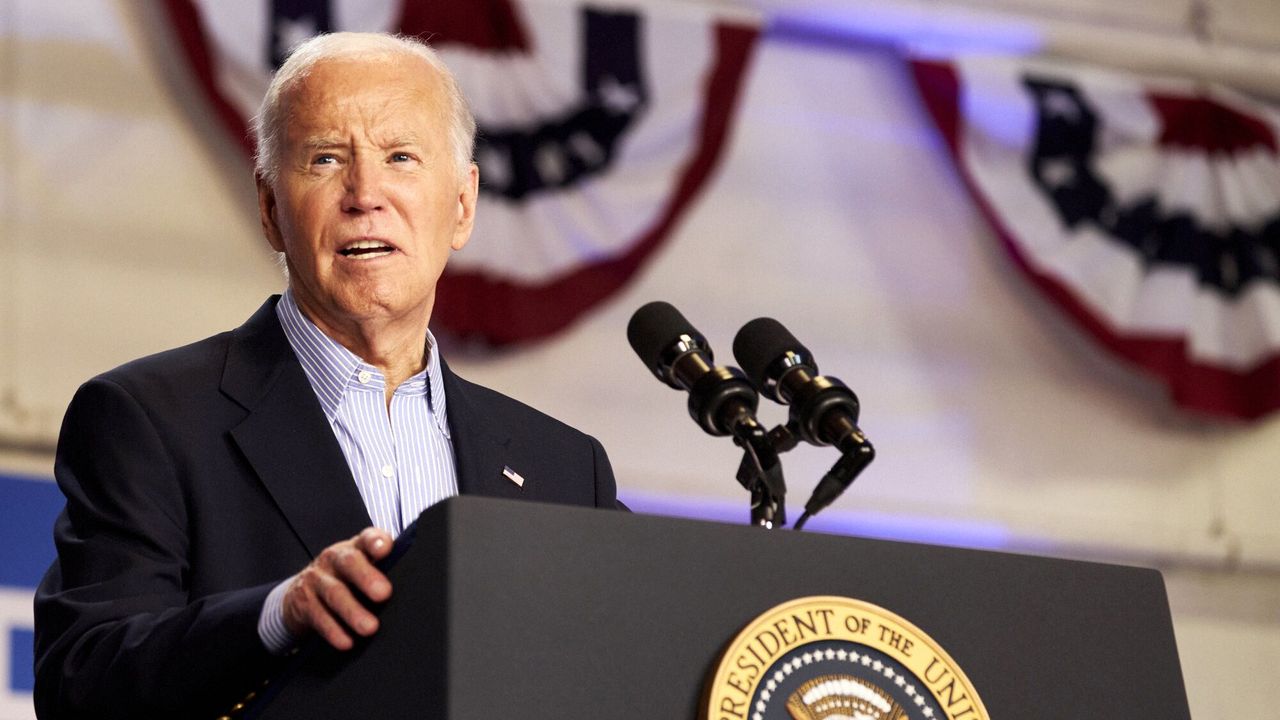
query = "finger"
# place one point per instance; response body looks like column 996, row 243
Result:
column 327, row 627
column 375, row 542
column 350, row 564
column 305, row 612
column 340, row 603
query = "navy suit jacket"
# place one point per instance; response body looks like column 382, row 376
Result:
column 199, row 478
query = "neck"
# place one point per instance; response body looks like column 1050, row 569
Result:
column 397, row 347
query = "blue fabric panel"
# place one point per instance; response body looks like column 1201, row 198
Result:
column 22, row 676
column 28, row 508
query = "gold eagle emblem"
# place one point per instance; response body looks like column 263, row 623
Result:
column 842, row 697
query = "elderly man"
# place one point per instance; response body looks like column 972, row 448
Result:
column 229, row 498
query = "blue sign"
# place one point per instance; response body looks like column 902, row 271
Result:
column 28, row 507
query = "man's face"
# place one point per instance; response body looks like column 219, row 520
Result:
column 368, row 201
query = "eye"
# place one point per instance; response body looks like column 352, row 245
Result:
column 399, row 157
column 324, row 159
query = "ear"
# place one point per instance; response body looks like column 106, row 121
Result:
column 468, row 192
column 267, row 213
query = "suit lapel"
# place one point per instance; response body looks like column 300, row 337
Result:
column 286, row 437
column 479, row 447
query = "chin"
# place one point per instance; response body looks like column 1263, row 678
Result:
column 380, row 307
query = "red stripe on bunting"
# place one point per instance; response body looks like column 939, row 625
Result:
column 1205, row 125
column 186, row 21
column 503, row 312
column 1195, row 386
column 481, row 24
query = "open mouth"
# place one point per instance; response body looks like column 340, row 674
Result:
column 366, row 249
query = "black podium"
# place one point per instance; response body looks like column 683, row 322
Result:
column 516, row 610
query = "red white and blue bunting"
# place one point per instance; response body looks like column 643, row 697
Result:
column 1148, row 209
column 598, row 127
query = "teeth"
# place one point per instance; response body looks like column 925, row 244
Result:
column 366, row 245
column 361, row 249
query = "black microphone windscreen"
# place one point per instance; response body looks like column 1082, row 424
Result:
column 653, row 328
column 761, row 342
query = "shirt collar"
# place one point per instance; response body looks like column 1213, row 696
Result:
column 332, row 369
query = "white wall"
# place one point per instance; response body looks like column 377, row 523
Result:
column 126, row 230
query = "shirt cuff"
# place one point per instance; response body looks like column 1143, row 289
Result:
column 274, row 633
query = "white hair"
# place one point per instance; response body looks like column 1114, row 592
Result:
column 268, row 125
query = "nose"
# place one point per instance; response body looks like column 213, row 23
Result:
column 363, row 185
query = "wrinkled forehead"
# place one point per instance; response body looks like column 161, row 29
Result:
column 378, row 93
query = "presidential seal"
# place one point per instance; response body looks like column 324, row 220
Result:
column 836, row 658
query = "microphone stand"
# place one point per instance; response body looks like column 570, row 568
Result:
column 761, row 459
column 761, row 473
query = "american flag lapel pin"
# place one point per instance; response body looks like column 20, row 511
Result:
column 513, row 476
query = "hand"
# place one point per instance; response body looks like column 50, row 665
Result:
column 322, row 598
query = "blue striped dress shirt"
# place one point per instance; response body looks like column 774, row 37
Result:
column 401, row 457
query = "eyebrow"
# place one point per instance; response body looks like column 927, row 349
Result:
column 322, row 143
column 329, row 143
column 402, row 140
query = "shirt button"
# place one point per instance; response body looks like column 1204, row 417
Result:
column 388, row 471
column 364, row 376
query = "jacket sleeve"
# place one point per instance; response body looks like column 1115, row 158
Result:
column 606, row 485
column 118, row 634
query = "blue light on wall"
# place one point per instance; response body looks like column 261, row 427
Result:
column 931, row 30
column 866, row 524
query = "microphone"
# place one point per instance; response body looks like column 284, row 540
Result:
column 721, row 400
column 719, row 397
column 824, row 411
